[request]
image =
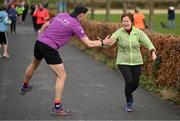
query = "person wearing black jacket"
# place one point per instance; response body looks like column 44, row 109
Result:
column 171, row 16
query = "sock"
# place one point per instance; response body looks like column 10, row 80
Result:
column 25, row 84
column 57, row 105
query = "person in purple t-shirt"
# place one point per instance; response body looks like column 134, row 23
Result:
column 53, row 35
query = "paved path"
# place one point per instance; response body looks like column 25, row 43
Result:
column 92, row 91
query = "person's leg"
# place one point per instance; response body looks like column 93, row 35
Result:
column 11, row 27
column 31, row 69
column 23, row 16
column 54, row 60
column 173, row 24
column 60, row 73
column 1, row 40
column 28, row 75
column 170, row 24
column 5, row 46
column 0, row 48
column 127, row 75
column 136, row 73
column 5, row 54
column 34, row 23
column 14, row 26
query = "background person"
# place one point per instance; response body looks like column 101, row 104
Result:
column 12, row 16
column 4, row 21
column 171, row 16
column 139, row 19
column 33, row 7
column 42, row 16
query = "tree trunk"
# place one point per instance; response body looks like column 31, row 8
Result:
column 67, row 4
column 83, row 2
column 151, row 13
column 108, row 6
column 124, row 6
column 92, row 9
column 74, row 3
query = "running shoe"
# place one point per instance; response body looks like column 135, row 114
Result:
column 129, row 108
column 6, row 56
column 60, row 112
column 23, row 90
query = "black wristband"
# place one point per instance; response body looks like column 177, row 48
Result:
column 102, row 44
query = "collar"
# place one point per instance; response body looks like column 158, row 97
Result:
column 74, row 16
column 133, row 31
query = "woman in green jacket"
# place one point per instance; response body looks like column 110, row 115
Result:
column 129, row 58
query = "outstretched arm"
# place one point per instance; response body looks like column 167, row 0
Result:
column 99, row 42
column 108, row 41
column 91, row 43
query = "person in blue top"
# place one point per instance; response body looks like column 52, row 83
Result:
column 12, row 16
column 3, row 29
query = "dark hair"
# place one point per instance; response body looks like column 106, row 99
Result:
column 78, row 10
column 129, row 15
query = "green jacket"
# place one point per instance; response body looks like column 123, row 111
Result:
column 19, row 10
column 129, row 46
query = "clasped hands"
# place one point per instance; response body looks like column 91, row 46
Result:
column 106, row 41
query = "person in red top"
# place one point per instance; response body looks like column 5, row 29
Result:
column 139, row 19
column 42, row 16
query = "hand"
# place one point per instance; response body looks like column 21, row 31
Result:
column 154, row 56
column 107, row 41
column 99, row 38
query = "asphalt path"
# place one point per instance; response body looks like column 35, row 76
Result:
column 92, row 91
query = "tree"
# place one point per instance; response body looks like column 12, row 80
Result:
column 83, row 2
column 108, row 6
column 151, row 13
column 124, row 6
column 92, row 9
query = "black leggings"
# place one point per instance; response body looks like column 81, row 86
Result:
column 131, row 75
column 13, row 26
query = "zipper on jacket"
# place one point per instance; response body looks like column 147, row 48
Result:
column 131, row 52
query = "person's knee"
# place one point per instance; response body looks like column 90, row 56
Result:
column 129, row 83
column 136, row 86
column 62, row 75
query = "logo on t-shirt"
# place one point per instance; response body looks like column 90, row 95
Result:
column 82, row 31
column 64, row 21
column 1, row 18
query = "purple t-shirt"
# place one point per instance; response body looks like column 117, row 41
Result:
column 60, row 30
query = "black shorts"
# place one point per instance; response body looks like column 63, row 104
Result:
column 50, row 54
column 3, row 38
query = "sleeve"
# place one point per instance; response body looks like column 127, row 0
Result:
column 46, row 13
column 79, row 31
column 35, row 13
column 115, row 36
column 144, row 40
